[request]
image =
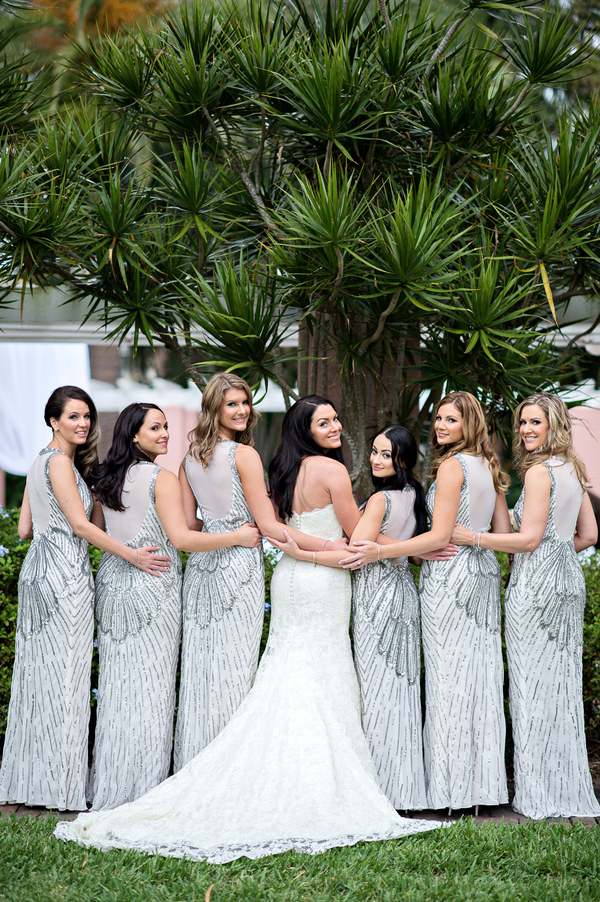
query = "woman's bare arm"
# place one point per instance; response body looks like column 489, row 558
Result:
column 169, row 507
column 447, row 498
column 190, row 505
column 64, row 486
column 586, row 531
column 536, row 511
column 25, row 528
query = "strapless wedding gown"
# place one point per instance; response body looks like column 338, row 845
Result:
column 292, row 769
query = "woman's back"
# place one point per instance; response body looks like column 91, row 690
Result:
column 136, row 496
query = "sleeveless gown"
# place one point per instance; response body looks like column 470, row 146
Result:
column 464, row 732
column 544, row 637
column 292, row 769
column 45, row 759
column 387, row 655
column 223, row 610
column 139, row 626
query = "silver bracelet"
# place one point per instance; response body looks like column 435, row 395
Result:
column 314, row 556
column 138, row 560
column 378, row 552
column 324, row 544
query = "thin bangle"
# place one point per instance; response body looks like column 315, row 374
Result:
column 324, row 544
column 138, row 559
column 378, row 552
column 314, row 556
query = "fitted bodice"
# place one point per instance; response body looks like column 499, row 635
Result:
column 477, row 494
column 218, row 489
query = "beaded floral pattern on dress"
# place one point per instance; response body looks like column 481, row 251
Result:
column 57, row 564
column 216, row 580
column 126, row 602
column 472, row 576
column 395, row 623
column 560, row 595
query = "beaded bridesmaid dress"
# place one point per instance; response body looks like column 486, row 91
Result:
column 223, row 609
column 465, row 730
column 387, row 655
column 544, row 637
column 292, row 768
column 45, row 758
column 139, row 626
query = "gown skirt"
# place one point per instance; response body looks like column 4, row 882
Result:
column 292, row 769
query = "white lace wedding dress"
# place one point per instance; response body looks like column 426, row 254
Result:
column 292, row 769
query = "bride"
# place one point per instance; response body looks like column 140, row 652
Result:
column 292, row 769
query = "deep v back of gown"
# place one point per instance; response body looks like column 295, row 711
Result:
column 292, row 769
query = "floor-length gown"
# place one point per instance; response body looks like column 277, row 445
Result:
column 544, row 636
column 45, row 758
column 139, row 625
column 464, row 732
column 223, row 609
column 292, row 769
column 387, row 655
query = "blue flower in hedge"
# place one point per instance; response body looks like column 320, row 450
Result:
column 267, row 606
column 3, row 550
column 5, row 516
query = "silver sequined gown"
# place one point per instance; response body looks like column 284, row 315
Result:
column 223, row 610
column 465, row 730
column 387, row 642
column 45, row 758
column 292, row 768
column 544, row 636
column 139, row 626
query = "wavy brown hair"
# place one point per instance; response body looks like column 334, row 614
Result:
column 559, row 442
column 205, row 434
column 86, row 456
column 475, row 438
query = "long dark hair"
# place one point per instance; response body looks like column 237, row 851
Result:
column 109, row 476
column 86, row 456
column 404, row 458
column 296, row 444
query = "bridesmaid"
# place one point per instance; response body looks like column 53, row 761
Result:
column 223, row 592
column 460, row 613
column 544, row 614
column 139, row 619
column 45, row 758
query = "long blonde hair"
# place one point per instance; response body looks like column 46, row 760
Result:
column 205, row 434
column 559, row 442
column 475, row 438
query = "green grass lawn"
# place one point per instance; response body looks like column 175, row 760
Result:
column 466, row 862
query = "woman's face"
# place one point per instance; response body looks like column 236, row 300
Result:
column 234, row 413
column 153, row 435
column 325, row 427
column 533, row 427
column 448, row 425
column 382, row 465
column 74, row 423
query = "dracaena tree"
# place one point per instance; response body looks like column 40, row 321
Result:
column 379, row 179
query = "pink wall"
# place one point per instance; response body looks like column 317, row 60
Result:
column 180, row 423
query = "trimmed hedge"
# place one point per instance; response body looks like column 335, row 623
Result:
column 13, row 550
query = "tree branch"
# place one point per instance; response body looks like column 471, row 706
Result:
column 380, row 326
column 444, row 42
column 383, row 11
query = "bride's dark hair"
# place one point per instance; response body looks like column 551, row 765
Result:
column 404, row 458
column 296, row 444
column 109, row 476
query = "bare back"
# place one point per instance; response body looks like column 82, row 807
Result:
column 313, row 487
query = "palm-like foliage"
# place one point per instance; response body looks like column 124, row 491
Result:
column 378, row 179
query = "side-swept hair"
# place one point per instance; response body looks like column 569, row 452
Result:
column 559, row 442
column 86, row 455
column 404, row 457
column 205, row 434
column 109, row 476
column 475, row 438
column 296, row 444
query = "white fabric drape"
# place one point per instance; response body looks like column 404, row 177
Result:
column 29, row 373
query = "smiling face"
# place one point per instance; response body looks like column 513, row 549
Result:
column 234, row 413
column 325, row 427
column 382, row 464
column 448, row 425
column 72, row 427
column 533, row 427
column 153, row 435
